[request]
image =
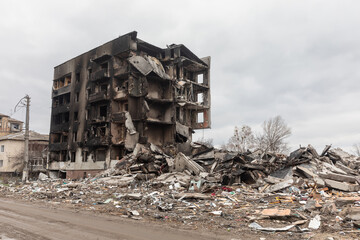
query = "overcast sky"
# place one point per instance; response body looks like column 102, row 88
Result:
column 297, row 59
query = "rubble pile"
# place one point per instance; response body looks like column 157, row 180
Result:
column 332, row 168
column 303, row 193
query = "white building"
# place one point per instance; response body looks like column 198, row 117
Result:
column 12, row 152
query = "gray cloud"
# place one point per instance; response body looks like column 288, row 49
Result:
column 297, row 59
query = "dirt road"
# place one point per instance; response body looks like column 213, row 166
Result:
column 29, row 221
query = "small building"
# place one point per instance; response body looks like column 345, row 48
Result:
column 9, row 125
column 121, row 93
column 12, row 152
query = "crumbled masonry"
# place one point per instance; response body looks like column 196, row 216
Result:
column 300, row 195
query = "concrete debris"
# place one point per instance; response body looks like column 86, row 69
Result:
column 279, row 192
column 315, row 222
column 183, row 162
column 343, row 186
column 280, row 185
column 256, row 226
column 274, row 212
column 338, row 177
column 42, row 177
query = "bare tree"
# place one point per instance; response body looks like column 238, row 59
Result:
column 356, row 150
column 242, row 140
column 275, row 131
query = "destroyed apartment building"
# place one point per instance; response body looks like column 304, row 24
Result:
column 121, row 93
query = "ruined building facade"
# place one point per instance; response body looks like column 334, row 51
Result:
column 124, row 92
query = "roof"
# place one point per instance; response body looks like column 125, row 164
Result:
column 132, row 34
column 10, row 119
column 14, row 120
column 33, row 136
column 186, row 52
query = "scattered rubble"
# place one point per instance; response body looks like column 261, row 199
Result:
column 302, row 193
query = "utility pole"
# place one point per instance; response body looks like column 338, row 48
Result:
column 25, row 174
column 26, row 154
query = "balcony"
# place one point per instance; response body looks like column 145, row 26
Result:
column 119, row 117
column 62, row 90
column 120, row 95
column 96, row 120
column 61, row 109
column 58, row 146
column 97, row 97
column 121, row 72
column 97, row 141
column 37, row 164
column 62, row 127
column 102, row 74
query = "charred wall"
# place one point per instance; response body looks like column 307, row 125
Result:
column 121, row 93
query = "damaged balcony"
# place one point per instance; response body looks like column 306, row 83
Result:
column 58, row 146
column 61, row 85
column 60, row 91
column 160, row 91
column 121, row 68
column 99, row 119
column 191, row 65
column 61, row 109
column 98, row 141
column 190, row 102
column 102, row 74
column 37, row 164
column 120, row 95
column 58, row 141
column 119, row 117
column 99, row 96
column 60, row 127
column 100, row 58
column 160, row 114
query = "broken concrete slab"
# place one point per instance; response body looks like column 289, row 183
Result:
column 183, row 162
column 341, row 201
column 43, row 177
column 120, row 181
column 306, row 172
column 284, row 173
column 272, row 180
column 274, row 212
column 312, row 150
column 346, row 187
column 206, row 155
column 182, row 130
column 256, row 226
column 338, row 177
column 129, row 123
column 353, row 216
column 345, row 168
column 181, row 196
column 176, row 177
column 133, row 196
column 147, row 64
column 280, row 186
column 309, row 173
column 315, row 222
column 333, row 168
column 131, row 140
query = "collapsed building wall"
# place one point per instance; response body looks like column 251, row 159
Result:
column 125, row 92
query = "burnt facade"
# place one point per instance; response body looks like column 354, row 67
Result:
column 124, row 92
